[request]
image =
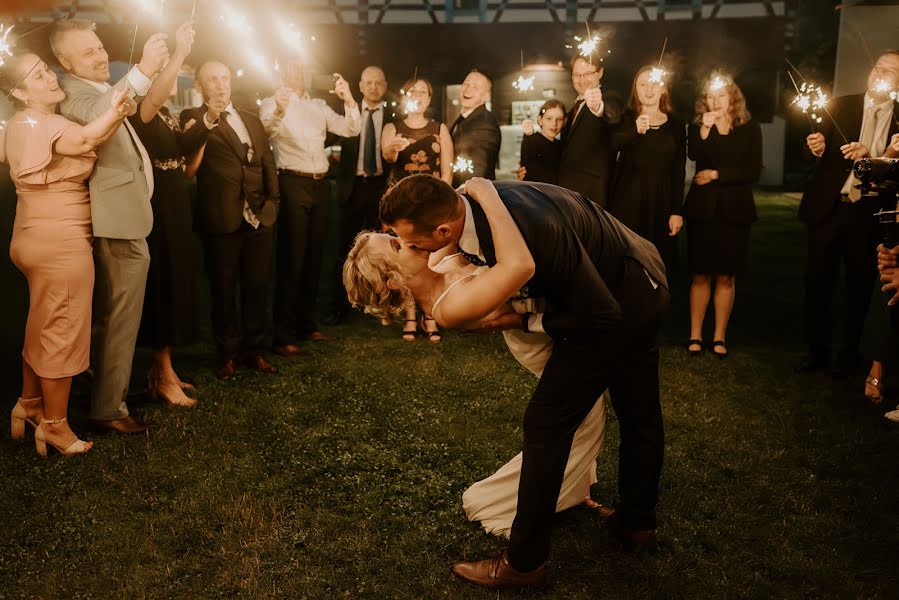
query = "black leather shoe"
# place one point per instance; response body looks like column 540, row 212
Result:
column 813, row 361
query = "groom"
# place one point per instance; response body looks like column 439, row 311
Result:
column 607, row 290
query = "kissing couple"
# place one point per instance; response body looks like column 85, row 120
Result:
column 597, row 292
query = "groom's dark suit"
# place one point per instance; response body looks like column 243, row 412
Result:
column 607, row 290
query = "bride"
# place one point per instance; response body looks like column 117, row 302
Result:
column 381, row 274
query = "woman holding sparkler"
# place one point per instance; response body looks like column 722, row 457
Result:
column 541, row 154
column 649, row 182
column 418, row 145
column 720, row 209
column 50, row 160
column 169, row 315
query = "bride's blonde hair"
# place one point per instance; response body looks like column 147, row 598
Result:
column 365, row 277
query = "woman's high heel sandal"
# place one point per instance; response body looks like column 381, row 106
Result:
column 68, row 443
column 26, row 410
column 432, row 334
column 409, row 334
column 874, row 390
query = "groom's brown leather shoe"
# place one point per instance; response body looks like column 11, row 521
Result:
column 496, row 573
column 638, row 541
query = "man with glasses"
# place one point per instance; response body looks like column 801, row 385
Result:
column 588, row 155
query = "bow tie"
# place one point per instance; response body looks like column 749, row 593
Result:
column 473, row 259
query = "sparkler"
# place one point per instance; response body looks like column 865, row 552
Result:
column 823, row 107
column 883, row 86
column 463, row 165
column 588, row 46
column 5, row 44
column 29, row 121
column 719, row 82
column 657, row 74
column 411, row 105
column 523, row 84
column 810, row 99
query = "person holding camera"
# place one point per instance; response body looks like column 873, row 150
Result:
column 297, row 126
column 839, row 220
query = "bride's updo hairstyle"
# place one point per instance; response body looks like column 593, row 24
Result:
column 365, row 276
column 11, row 74
column 425, row 200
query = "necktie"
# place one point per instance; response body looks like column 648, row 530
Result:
column 369, row 156
column 866, row 139
column 472, row 258
column 577, row 109
column 456, row 123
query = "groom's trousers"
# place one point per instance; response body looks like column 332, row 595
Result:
column 626, row 361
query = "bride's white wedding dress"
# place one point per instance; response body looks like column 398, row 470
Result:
column 493, row 501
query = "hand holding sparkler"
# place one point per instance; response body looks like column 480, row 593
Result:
column 593, row 100
column 643, row 124
column 156, row 53
column 816, row 143
column 342, row 90
column 893, row 147
column 709, row 119
column 282, row 99
column 184, row 40
column 527, row 126
column 123, row 103
column 398, row 144
column 854, row 151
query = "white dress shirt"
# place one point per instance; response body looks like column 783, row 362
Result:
column 875, row 127
column 298, row 137
column 377, row 115
column 140, row 83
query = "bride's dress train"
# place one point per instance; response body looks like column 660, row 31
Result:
column 494, row 500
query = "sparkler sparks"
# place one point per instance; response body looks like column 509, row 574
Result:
column 5, row 44
column 235, row 22
column 411, row 105
column 657, row 76
column 587, row 47
column 463, row 165
column 719, row 82
column 523, row 84
column 810, row 100
column 29, row 121
column 883, row 86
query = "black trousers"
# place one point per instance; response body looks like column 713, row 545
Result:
column 302, row 227
column 242, row 257
column 358, row 213
column 626, row 361
column 848, row 235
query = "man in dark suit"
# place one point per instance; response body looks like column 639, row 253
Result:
column 361, row 180
column 588, row 153
column 237, row 204
column 607, row 290
column 839, row 220
column 476, row 134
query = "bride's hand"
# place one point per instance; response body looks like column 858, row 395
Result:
column 480, row 189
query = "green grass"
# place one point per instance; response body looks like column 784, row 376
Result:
column 341, row 477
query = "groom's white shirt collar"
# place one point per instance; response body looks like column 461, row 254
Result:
column 469, row 241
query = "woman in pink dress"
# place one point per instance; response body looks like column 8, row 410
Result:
column 50, row 160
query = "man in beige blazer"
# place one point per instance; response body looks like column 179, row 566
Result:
column 120, row 189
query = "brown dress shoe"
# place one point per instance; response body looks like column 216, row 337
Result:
column 289, row 350
column 497, row 573
column 603, row 510
column 318, row 336
column 258, row 363
column 127, row 426
column 227, row 369
column 634, row 540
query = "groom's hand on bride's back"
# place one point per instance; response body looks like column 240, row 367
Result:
column 503, row 322
column 477, row 187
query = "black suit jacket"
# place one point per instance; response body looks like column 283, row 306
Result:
column 225, row 179
column 822, row 194
column 588, row 151
column 349, row 159
column 580, row 252
column 477, row 137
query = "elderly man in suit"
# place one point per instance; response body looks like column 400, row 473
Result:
column 120, row 189
column 588, row 152
column 238, row 198
column 361, row 180
column 840, row 222
column 476, row 134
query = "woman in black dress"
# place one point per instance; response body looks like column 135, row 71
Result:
column 649, row 183
column 169, row 315
column 542, row 153
column 720, row 209
column 418, row 145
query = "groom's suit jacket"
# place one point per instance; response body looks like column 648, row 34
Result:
column 580, row 252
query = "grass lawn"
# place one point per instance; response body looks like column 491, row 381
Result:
column 341, row 477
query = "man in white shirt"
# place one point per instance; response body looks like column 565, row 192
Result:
column 361, row 181
column 120, row 189
column 297, row 126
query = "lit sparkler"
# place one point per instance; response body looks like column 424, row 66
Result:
column 2, row 125
column 883, row 86
column 411, row 105
column 235, row 22
column 657, row 76
column 5, row 44
column 810, row 100
column 588, row 46
column 523, row 84
column 718, row 83
column 463, row 165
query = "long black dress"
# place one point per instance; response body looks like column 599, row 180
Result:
column 169, row 316
column 720, row 213
column 541, row 158
column 649, row 182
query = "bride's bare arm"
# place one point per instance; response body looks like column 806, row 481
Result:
column 484, row 294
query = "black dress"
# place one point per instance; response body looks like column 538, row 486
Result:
column 169, row 316
column 421, row 156
column 649, row 182
column 720, row 213
column 541, row 157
